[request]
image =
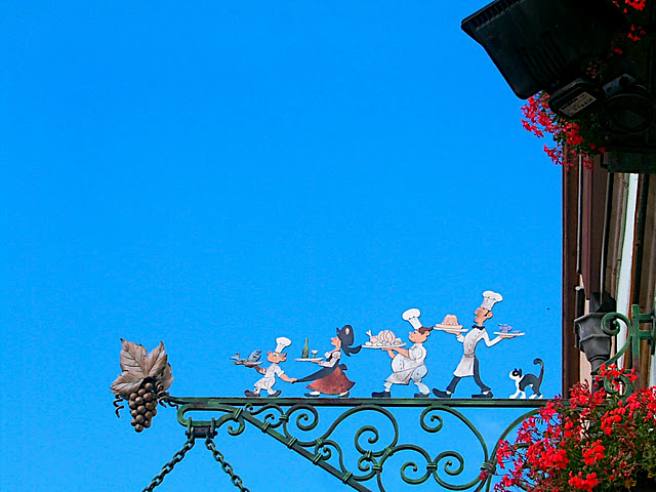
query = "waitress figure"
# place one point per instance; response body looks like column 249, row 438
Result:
column 330, row 379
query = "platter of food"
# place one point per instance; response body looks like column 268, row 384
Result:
column 509, row 334
column 450, row 325
column 507, row 331
column 249, row 364
column 309, row 359
column 453, row 331
column 253, row 360
column 383, row 347
column 386, row 339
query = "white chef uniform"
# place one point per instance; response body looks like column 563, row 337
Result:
column 469, row 341
column 409, row 368
column 269, row 379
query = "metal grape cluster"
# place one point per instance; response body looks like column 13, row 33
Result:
column 143, row 382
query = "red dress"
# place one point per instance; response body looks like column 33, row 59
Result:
column 335, row 382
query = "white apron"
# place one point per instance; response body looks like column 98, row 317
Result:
column 269, row 379
column 409, row 368
column 466, row 365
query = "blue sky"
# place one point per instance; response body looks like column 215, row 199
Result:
column 220, row 174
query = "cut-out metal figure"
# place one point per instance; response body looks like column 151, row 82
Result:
column 523, row 381
column 266, row 383
column 331, row 378
column 408, row 364
column 468, row 365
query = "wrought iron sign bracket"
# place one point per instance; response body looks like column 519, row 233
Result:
column 374, row 448
column 289, row 420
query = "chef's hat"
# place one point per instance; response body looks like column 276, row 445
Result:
column 282, row 343
column 412, row 317
column 490, row 298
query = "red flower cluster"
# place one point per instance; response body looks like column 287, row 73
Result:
column 579, row 483
column 539, row 119
column 597, row 440
column 632, row 10
column 634, row 4
column 503, row 452
column 594, row 453
column 611, row 418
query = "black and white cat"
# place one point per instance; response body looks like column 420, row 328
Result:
column 523, row 381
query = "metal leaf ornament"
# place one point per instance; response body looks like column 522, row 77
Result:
column 143, row 382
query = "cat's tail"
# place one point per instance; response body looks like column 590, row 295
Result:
column 539, row 362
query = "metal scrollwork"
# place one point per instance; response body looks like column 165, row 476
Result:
column 611, row 325
column 366, row 461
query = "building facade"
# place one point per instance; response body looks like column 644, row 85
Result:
column 609, row 257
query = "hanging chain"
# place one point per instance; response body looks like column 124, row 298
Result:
column 192, row 433
column 218, row 456
column 168, row 467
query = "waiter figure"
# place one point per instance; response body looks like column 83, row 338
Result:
column 468, row 365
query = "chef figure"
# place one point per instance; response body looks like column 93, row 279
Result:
column 270, row 373
column 409, row 365
column 468, row 365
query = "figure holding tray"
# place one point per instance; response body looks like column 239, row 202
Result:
column 468, row 365
column 408, row 364
column 277, row 357
column 331, row 379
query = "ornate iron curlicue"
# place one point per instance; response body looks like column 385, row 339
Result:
column 611, row 325
column 285, row 418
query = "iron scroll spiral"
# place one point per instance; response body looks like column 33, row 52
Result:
column 292, row 423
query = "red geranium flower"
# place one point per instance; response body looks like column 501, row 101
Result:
column 596, row 440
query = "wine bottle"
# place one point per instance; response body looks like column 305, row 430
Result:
column 306, row 350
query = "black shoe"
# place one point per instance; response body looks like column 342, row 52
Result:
column 381, row 394
column 251, row 394
column 485, row 396
column 441, row 394
column 421, row 395
column 345, row 395
column 275, row 393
